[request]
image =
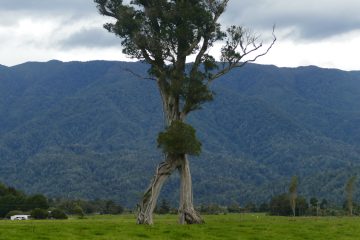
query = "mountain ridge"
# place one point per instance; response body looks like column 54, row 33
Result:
column 89, row 130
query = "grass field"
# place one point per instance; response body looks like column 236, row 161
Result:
column 231, row 226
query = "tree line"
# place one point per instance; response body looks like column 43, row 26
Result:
column 14, row 202
column 284, row 204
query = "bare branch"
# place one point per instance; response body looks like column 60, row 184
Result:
column 233, row 62
column 138, row 75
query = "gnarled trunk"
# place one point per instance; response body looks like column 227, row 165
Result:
column 172, row 162
column 150, row 197
column 187, row 212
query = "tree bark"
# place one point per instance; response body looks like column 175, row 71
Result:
column 150, row 197
column 187, row 212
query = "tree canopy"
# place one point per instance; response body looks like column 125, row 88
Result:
column 165, row 33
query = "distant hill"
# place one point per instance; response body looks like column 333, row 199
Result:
column 88, row 130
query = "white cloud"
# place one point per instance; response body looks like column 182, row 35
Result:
column 312, row 19
column 324, row 32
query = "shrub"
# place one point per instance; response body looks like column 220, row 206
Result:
column 38, row 213
column 58, row 214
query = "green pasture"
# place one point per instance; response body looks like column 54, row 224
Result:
column 231, row 226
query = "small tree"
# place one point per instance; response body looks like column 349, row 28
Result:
column 79, row 211
column 349, row 190
column 58, row 214
column 293, row 193
column 301, row 205
column 164, row 33
column 314, row 202
column 37, row 201
column 38, row 213
column 112, row 208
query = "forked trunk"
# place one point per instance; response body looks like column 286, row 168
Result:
column 148, row 203
column 187, row 212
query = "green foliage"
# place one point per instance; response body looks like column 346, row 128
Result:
column 11, row 202
column 112, row 208
column 78, row 211
column 234, row 208
column 87, row 130
column 314, row 202
column 57, row 214
column 324, row 204
column 280, row 206
column 250, row 207
column 212, row 209
column 39, row 213
column 88, row 207
column 163, row 34
column 179, row 138
column 37, row 201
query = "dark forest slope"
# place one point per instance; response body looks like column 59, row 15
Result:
column 89, row 129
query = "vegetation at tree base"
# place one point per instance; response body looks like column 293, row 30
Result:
column 179, row 138
column 68, row 130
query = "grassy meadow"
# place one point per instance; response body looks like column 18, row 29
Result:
column 231, row 226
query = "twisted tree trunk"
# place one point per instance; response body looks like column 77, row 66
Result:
column 149, row 200
column 187, row 213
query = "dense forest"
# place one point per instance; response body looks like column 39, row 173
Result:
column 88, row 130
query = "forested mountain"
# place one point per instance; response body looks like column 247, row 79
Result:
column 88, row 130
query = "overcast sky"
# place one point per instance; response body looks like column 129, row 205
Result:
column 325, row 33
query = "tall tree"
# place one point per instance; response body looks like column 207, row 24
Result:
column 314, row 202
column 349, row 189
column 293, row 193
column 164, row 33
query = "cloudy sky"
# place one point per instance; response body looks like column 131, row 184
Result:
column 325, row 33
